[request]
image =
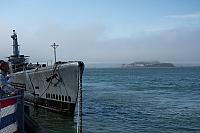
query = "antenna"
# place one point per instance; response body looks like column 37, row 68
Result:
column 54, row 48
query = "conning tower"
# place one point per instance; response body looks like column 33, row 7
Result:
column 15, row 44
column 18, row 62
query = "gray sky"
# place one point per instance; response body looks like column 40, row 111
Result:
column 103, row 31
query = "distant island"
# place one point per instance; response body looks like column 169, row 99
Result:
column 144, row 64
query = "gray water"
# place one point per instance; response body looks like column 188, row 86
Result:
column 156, row 100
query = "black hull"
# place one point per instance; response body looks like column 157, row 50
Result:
column 63, row 108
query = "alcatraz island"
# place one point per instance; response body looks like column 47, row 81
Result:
column 144, row 64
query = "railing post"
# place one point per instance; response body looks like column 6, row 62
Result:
column 20, row 111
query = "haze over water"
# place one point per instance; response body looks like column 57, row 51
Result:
column 103, row 31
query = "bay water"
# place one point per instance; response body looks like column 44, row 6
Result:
column 140, row 100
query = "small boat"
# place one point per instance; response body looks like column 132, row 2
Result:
column 52, row 87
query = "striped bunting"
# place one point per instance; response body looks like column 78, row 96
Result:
column 8, row 122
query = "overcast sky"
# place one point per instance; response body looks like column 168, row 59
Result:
column 103, row 31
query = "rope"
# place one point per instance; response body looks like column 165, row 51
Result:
column 51, row 78
column 80, row 103
column 63, row 84
column 30, row 83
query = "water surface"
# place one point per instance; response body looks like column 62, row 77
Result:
column 156, row 100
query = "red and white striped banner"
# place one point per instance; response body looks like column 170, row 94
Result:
column 8, row 123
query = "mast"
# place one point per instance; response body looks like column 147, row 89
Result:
column 15, row 44
column 54, row 48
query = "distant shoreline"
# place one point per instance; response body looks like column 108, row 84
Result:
column 119, row 65
column 143, row 67
column 142, row 64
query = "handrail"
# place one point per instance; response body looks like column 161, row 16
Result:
column 10, row 97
